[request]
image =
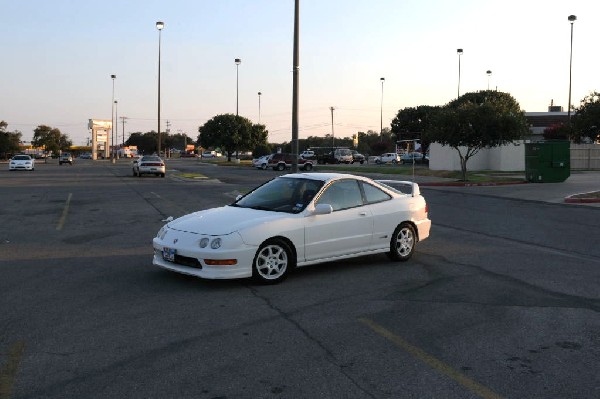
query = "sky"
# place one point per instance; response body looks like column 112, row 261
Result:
column 57, row 58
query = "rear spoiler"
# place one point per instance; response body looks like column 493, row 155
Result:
column 406, row 187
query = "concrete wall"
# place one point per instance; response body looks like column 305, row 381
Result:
column 508, row 158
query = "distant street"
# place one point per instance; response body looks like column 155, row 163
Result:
column 501, row 301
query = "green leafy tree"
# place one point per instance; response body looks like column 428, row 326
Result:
column 231, row 133
column 146, row 143
column 50, row 138
column 557, row 132
column 477, row 120
column 586, row 121
column 178, row 141
column 411, row 122
column 9, row 141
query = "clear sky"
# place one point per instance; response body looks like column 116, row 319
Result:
column 57, row 57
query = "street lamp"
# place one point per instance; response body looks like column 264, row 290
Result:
column 116, row 135
column 238, row 61
column 572, row 18
column 159, row 25
column 489, row 73
column 112, row 118
column 381, row 113
column 332, row 135
column 259, row 94
column 459, row 52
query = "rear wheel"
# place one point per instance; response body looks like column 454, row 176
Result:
column 162, row 175
column 272, row 262
column 281, row 167
column 308, row 167
column 402, row 244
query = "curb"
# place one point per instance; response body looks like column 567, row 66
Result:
column 572, row 199
column 467, row 184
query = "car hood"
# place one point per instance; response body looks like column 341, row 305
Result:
column 223, row 220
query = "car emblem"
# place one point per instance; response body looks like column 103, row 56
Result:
column 175, row 241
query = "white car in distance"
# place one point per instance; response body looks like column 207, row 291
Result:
column 295, row 220
column 21, row 162
column 387, row 158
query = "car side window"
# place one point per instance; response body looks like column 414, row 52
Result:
column 342, row 194
column 374, row 194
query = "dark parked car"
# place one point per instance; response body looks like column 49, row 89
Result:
column 282, row 161
column 357, row 157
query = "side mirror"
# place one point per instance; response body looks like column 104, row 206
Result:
column 323, row 209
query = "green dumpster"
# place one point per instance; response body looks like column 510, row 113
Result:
column 547, row 161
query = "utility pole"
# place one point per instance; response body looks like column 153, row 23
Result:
column 123, row 118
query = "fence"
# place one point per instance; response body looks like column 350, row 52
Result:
column 585, row 156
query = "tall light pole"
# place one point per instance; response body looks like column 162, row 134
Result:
column 238, row 61
column 159, row 25
column 489, row 73
column 259, row 94
column 459, row 52
column 572, row 18
column 295, row 85
column 381, row 113
column 332, row 135
column 117, row 128
column 112, row 118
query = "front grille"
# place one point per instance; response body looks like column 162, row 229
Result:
column 187, row 261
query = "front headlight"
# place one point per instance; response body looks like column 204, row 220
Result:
column 216, row 243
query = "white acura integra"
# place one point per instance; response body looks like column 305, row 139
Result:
column 295, row 220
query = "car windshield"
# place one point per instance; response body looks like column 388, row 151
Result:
column 151, row 159
column 21, row 157
column 282, row 194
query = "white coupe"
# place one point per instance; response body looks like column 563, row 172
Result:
column 21, row 162
column 295, row 220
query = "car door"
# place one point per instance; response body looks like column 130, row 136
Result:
column 348, row 229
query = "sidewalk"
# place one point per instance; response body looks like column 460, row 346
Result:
column 577, row 183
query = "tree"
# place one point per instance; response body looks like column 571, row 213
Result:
column 477, row 120
column 50, row 138
column 586, row 121
column 231, row 133
column 9, row 141
column 411, row 122
column 146, row 143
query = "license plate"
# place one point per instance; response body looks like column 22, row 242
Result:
column 168, row 254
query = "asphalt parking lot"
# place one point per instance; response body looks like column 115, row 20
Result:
column 501, row 301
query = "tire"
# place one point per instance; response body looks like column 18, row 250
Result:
column 263, row 166
column 162, row 175
column 272, row 262
column 308, row 167
column 361, row 162
column 395, row 161
column 402, row 244
column 134, row 173
column 377, row 161
column 280, row 167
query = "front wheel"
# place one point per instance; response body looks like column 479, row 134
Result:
column 281, row 167
column 272, row 262
column 402, row 244
column 308, row 167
